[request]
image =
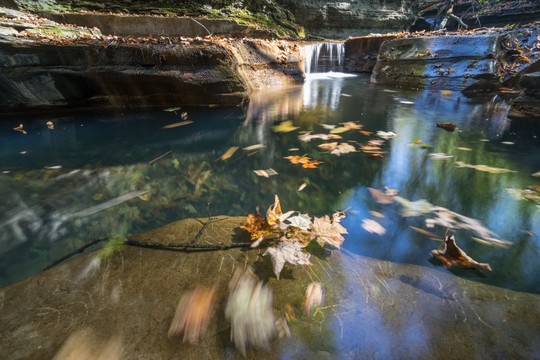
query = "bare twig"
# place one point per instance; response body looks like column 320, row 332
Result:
column 75, row 252
column 159, row 157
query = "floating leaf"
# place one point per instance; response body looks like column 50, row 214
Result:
column 328, row 126
column 493, row 242
column 508, row 143
column 228, row 153
column 380, row 197
column 285, row 126
column 414, row 208
column 485, row 168
column 287, row 251
column 377, row 157
column 20, row 129
column 451, row 255
column 376, row 214
column 416, row 142
column 386, row 135
column 440, row 156
column 352, row 125
column 447, row 126
column 254, row 147
column 373, row 227
column 193, row 314
column 328, row 231
column 305, row 161
column 328, row 146
column 50, row 125
column 463, row 148
column 265, row 173
column 343, row 148
column 302, row 187
column 307, row 137
column 367, row 133
column 339, row 130
column 536, row 174
column 181, row 123
column 314, row 296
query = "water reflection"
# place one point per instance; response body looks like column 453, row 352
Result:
column 108, row 175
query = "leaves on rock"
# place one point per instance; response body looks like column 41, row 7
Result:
column 287, row 251
column 257, row 226
column 451, row 255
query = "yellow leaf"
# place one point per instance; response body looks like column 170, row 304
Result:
column 285, row 126
column 228, row 153
column 181, row 123
column 339, row 130
column 144, row 197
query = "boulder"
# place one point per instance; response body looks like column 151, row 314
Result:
column 361, row 52
column 122, row 304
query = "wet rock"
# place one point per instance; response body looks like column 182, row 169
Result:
column 49, row 65
column 361, row 52
column 373, row 308
column 528, row 104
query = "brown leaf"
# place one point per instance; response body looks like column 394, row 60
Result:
column 228, row 153
column 451, row 255
column 257, row 226
column 380, row 197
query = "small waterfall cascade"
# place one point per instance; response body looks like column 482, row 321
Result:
column 324, row 57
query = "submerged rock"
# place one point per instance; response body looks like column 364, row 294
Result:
column 372, row 308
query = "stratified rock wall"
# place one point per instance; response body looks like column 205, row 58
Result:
column 341, row 19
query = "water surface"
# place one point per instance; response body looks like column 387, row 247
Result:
column 97, row 174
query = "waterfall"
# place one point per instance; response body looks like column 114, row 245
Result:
column 324, row 57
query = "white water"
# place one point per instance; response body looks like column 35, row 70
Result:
column 324, row 57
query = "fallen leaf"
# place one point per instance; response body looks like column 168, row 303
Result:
column 339, row 130
column 373, row 227
column 265, row 173
column 493, row 242
column 343, row 148
column 181, row 123
column 380, row 197
column 302, row 221
column 508, row 143
column 328, row 126
column 367, row 133
column 376, row 214
column 463, row 148
column 294, row 149
column 416, row 142
column 285, row 126
column 50, row 125
column 254, row 147
column 228, row 153
column 287, row 251
column 20, row 128
column 307, row 137
column 302, row 187
column 440, row 156
column 352, row 125
column 447, row 126
column 193, row 313
column 314, row 296
column 485, row 168
column 414, row 208
column 451, row 255
column 305, row 161
column 249, row 310
column 328, row 146
column 536, row 174
column 183, row 115
column 386, row 135
column 274, row 215
column 257, row 226
column 328, row 231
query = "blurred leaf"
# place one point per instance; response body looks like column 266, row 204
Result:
column 254, row 147
column 228, row 153
column 373, row 227
column 485, row 168
column 380, row 197
column 182, row 123
column 285, row 126
column 447, row 126
column 451, row 255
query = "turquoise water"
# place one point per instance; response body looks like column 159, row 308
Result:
column 97, row 174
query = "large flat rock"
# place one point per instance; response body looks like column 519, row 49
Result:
column 373, row 309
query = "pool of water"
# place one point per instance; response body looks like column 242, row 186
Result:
column 72, row 178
